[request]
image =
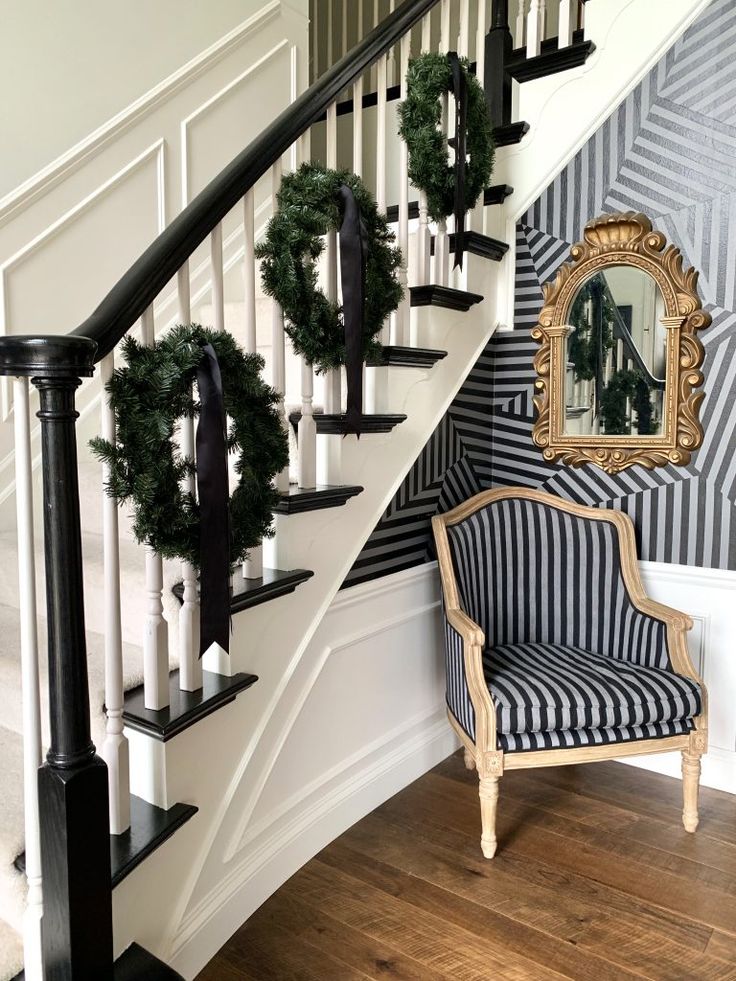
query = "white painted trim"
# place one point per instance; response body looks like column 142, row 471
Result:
column 46, row 178
column 154, row 151
column 213, row 100
column 387, row 584
column 685, row 574
column 286, row 846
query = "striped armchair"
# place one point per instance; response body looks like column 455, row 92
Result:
column 554, row 653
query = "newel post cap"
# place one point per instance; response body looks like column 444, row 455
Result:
column 60, row 356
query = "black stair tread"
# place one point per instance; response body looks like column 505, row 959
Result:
column 299, row 499
column 551, row 60
column 443, row 296
column 495, row 194
column 150, row 826
column 510, row 133
column 479, row 244
column 137, row 964
column 334, row 424
column 185, row 707
column 247, row 593
column 407, row 357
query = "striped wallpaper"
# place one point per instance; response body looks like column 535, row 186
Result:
column 669, row 150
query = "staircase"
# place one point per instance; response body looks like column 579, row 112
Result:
column 186, row 742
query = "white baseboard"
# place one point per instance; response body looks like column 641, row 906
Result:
column 304, row 830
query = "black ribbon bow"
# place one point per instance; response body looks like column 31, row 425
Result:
column 353, row 250
column 460, row 94
column 214, row 515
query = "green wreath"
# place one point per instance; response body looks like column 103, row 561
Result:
column 149, row 394
column 420, row 114
column 308, row 207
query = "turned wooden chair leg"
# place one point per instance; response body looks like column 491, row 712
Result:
column 469, row 760
column 488, row 807
column 690, row 784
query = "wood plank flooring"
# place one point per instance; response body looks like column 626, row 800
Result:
column 595, row 879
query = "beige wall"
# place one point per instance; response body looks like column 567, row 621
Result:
column 67, row 66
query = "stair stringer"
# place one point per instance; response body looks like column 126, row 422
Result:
column 223, row 763
column 566, row 109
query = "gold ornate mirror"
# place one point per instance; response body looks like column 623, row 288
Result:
column 620, row 357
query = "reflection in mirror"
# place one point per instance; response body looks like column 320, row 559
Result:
column 616, row 355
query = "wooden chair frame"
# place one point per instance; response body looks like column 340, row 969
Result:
column 484, row 755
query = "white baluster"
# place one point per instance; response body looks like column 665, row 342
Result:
column 253, row 565
column 31, row 698
column 190, row 665
column 307, row 434
column 330, row 28
column 391, row 63
column 463, row 38
column 331, row 461
column 427, row 32
column 424, row 238
column 536, row 24
column 480, row 42
column 344, row 26
column 358, row 126
column 278, row 342
column 218, row 285
column 155, row 629
column 403, row 312
column 441, row 253
column 520, row 27
column 568, row 11
column 376, row 20
column 333, row 386
column 114, row 749
column 376, row 378
column 315, row 40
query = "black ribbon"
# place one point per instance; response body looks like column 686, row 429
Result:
column 214, row 517
column 460, row 94
column 353, row 250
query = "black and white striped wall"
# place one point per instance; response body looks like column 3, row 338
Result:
column 669, row 150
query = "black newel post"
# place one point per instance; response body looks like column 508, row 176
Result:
column 72, row 783
column 499, row 46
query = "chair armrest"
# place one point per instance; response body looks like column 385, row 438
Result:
column 659, row 611
column 470, row 632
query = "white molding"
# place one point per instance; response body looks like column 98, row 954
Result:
column 687, row 575
column 238, row 840
column 292, row 842
column 46, row 178
column 213, row 100
column 155, row 151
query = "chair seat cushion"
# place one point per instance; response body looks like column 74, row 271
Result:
column 540, row 688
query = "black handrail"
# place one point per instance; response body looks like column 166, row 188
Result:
column 622, row 333
column 145, row 279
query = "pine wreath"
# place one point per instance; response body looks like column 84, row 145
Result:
column 309, row 207
column 149, row 394
column 420, row 114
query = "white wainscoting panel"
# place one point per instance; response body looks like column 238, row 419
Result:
column 367, row 718
column 709, row 596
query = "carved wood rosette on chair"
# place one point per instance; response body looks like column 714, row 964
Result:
column 554, row 652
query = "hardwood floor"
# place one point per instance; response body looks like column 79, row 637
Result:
column 595, row 879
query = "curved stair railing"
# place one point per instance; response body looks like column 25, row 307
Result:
column 80, row 799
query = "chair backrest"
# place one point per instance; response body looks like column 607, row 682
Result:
column 530, row 570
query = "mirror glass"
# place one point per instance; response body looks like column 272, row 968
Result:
column 616, row 355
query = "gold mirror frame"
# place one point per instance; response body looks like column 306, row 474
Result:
column 615, row 240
